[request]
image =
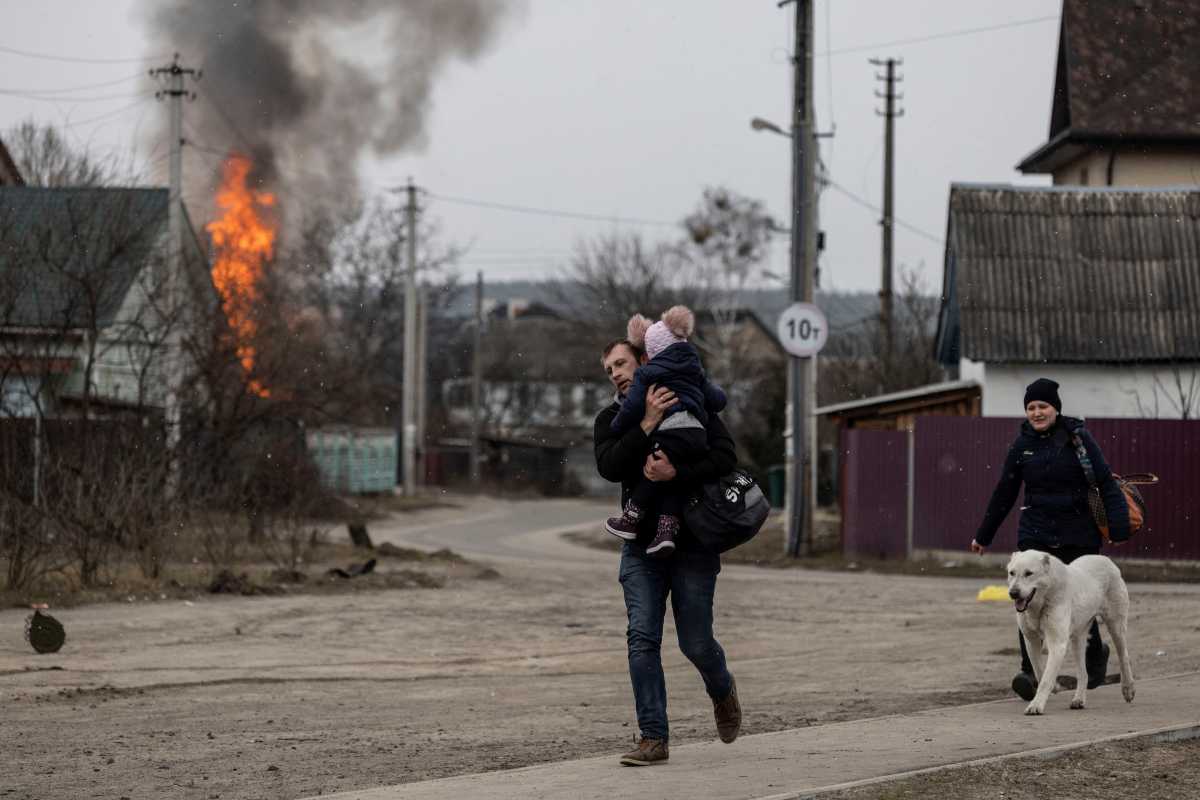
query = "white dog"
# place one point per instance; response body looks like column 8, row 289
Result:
column 1056, row 604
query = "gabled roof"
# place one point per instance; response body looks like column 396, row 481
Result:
column 69, row 256
column 9, row 174
column 1127, row 70
column 1067, row 274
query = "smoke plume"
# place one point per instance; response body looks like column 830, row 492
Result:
column 286, row 83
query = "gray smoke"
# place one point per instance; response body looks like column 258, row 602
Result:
column 286, row 82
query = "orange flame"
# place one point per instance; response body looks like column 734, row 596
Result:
column 243, row 239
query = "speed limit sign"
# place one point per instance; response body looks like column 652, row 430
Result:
column 803, row 329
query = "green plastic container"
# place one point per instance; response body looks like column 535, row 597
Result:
column 777, row 485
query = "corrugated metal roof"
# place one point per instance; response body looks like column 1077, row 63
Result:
column 1071, row 275
column 69, row 256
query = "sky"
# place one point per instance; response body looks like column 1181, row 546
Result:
column 624, row 111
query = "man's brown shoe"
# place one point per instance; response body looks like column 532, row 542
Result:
column 729, row 716
column 647, row 753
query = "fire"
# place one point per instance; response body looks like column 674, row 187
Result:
column 243, row 240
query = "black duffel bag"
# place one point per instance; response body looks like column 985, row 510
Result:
column 727, row 512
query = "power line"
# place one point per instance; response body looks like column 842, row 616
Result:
column 76, row 60
column 549, row 212
column 896, row 220
column 96, row 99
column 110, row 115
column 936, row 36
column 85, row 88
column 229, row 123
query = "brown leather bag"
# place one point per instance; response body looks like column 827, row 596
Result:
column 1133, row 499
column 1128, row 484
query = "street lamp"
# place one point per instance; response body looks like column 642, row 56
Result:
column 760, row 124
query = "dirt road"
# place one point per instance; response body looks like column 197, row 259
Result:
column 295, row 696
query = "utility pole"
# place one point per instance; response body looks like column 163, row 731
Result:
column 409, row 400
column 801, row 373
column 477, row 383
column 174, row 280
column 889, row 114
column 422, row 379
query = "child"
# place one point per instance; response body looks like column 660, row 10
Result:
column 675, row 364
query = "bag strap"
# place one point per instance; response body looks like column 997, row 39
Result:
column 1084, row 460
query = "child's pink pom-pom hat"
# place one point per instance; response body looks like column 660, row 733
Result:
column 676, row 325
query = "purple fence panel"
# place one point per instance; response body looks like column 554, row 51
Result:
column 875, row 493
column 957, row 463
column 1171, row 450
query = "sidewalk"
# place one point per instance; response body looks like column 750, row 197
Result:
column 800, row 762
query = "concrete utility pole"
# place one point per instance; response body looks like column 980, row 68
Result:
column 422, row 379
column 801, row 375
column 174, row 279
column 409, row 400
column 889, row 114
column 477, row 383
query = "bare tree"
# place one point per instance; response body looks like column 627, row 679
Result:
column 614, row 276
column 1176, row 397
column 859, row 368
column 44, row 157
column 84, row 318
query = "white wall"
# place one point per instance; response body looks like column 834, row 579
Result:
column 1096, row 391
column 1164, row 166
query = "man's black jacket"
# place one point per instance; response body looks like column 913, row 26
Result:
column 621, row 456
column 1056, row 512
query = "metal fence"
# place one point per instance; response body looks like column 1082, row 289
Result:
column 874, row 493
column 927, row 489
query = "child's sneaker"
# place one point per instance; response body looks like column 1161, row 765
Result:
column 664, row 540
column 625, row 526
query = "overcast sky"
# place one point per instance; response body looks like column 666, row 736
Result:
column 623, row 108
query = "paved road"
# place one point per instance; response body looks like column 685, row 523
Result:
column 494, row 529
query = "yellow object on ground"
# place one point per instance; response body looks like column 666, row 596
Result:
column 993, row 593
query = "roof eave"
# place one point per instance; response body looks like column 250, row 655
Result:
column 1070, row 144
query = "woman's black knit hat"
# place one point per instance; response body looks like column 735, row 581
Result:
column 1045, row 390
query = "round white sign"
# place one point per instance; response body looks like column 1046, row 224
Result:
column 803, row 329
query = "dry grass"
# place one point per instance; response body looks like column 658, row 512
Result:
column 186, row 575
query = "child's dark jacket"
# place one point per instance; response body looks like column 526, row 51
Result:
column 677, row 368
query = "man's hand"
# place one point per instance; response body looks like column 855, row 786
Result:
column 977, row 548
column 658, row 400
column 658, row 467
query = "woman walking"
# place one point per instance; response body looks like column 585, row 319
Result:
column 1055, row 518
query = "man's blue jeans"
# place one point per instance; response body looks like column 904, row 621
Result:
column 689, row 577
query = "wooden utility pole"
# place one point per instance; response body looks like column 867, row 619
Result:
column 476, row 384
column 801, row 372
column 174, row 282
column 409, row 399
column 889, row 114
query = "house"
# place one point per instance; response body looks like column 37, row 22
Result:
column 542, row 383
column 85, row 307
column 1096, row 287
column 1126, row 107
column 1093, row 280
column 9, row 174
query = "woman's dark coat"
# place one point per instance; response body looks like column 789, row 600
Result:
column 1055, row 512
